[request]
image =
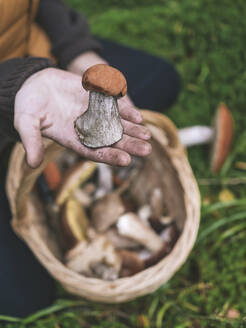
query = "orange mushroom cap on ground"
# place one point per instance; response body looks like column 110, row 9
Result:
column 224, row 131
column 105, row 79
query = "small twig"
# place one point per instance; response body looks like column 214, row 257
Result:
column 226, row 181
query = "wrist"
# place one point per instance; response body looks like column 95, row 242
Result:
column 82, row 62
column 37, row 75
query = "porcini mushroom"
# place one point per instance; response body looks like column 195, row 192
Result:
column 85, row 258
column 104, row 180
column 103, row 271
column 166, row 220
column 100, row 125
column 131, row 263
column 169, row 237
column 170, row 233
column 119, row 241
column 220, row 135
column 144, row 213
column 157, row 256
column 131, row 226
column 157, row 203
column 106, row 210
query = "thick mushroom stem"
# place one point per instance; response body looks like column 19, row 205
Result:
column 129, row 225
column 100, row 125
column 196, row 135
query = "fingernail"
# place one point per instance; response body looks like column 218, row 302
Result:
column 146, row 135
column 146, row 150
column 139, row 118
column 125, row 160
column 33, row 162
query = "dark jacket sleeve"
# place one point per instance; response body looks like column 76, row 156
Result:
column 13, row 74
column 67, row 29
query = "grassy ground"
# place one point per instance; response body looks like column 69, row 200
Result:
column 205, row 39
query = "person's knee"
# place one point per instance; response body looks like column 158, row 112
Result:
column 174, row 81
column 160, row 88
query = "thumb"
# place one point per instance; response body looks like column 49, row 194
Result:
column 29, row 131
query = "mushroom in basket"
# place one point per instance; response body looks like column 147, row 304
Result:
column 88, row 253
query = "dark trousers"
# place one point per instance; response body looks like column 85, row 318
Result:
column 25, row 286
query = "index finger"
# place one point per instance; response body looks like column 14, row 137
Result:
column 129, row 112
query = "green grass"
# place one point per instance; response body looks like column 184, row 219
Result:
column 205, row 39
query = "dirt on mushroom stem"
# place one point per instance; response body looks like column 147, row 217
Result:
column 100, row 125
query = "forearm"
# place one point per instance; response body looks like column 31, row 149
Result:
column 82, row 62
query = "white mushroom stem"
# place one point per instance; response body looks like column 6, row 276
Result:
column 166, row 220
column 100, row 125
column 119, row 241
column 196, row 135
column 131, row 226
column 157, row 203
column 144, row 254
column 106, row 211
column 105, row 180
column 144, row 213
column 105, row 177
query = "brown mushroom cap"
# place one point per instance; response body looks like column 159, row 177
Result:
column 105, row 79
column 131, row 263
column 224, row 130
column 106, row 211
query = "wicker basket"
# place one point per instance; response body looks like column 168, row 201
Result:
column 29, row 220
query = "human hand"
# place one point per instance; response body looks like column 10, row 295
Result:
column 87, row 59
column 82, row 62
column 48, row 103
